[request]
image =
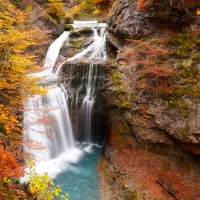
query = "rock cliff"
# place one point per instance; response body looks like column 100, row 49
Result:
column 152, row 18
column 152, row 150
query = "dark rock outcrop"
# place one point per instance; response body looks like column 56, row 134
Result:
column 158, row 18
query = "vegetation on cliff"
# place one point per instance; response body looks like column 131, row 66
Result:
column 56, row 10
column 16, row 63
column 154, row 106
column 153, row 102
column 89, row 9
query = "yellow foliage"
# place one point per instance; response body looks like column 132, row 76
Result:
column 96, row 12
column 42, row 186
column 86, row 7
column 75, row 10
column 17, row 38
column 16, row 63
column 56, row 10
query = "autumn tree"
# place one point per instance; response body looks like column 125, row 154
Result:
column 20, row 43
column 17, row 62
column 87, row 8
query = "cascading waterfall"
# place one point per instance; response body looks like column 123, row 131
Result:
column 61, row 148
column 88, row 103
column 57, row 138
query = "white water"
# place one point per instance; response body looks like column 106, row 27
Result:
column 96, row 50
column 88, row 102
column 60, row 145
column 51, row 58
column 78, row 24
column 54, row 49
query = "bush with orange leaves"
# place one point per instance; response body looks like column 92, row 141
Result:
column 10, row 166
column 153, row 71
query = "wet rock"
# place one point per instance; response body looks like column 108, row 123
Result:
column 69, row 27
column 75, row 79
column 81, row 32
column 75, row 44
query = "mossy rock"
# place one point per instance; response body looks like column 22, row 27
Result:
column 166, row 167
column 131, row 195
column 116, row 78
column 69, row 27
column 77, row 43
column 184, row 132
column 188, row 76
column 196, row 56
column 183, row 44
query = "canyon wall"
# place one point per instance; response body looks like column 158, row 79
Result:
column 152, row 149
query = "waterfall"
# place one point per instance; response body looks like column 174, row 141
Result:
column 57, row 138
column 97, row 48
column 88, row 102
column 53, row 51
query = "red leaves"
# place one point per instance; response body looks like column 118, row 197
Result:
column 153, row 71
column 10, row 167
column 154, row 174
column 156, row 79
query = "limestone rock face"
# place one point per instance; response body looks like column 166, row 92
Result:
column 152, row 149
column 128, row 18
column 172, row 120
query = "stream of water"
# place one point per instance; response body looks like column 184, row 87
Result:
column 71, row 163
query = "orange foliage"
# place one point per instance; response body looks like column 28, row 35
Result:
column 10, row 167
column 156, row 79
column 156, row 173
column 153, row 72
column 18, row 40
column 144, row 4
column 101, row 1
